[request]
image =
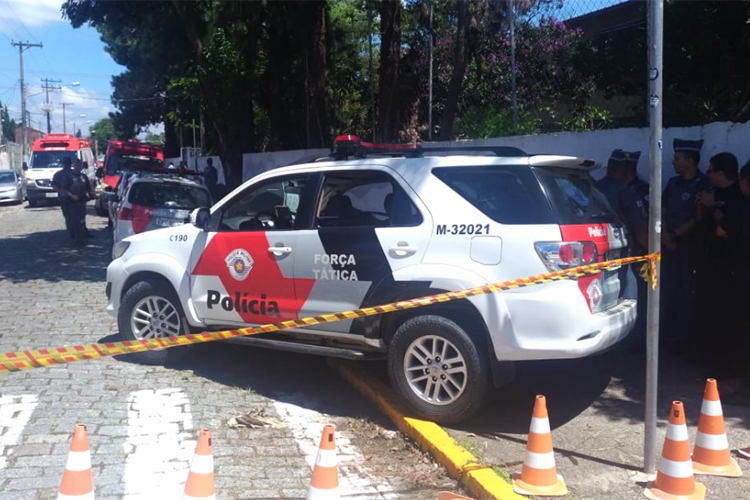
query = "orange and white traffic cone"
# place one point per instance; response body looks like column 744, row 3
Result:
column 745, row 452
column 674, row 479
column 539, row 474
column 711, row 451
column 78, row 479
column 447, row 495
column 325, row 478
column 200, row 481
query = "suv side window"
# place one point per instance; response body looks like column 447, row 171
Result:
column 506, row 195
column 365, row 199
column 271, row 206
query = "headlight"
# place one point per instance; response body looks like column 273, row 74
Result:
column 30, row 182
column 119, row 249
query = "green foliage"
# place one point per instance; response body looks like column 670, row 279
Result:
column 484, row 122
column 103, row 131
column 590, row 118
column 157, row 139
column 9, row 126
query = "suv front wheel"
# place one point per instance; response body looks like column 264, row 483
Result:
column 436, row 367
column 149, row 310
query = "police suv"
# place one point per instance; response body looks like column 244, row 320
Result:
column 369, row 226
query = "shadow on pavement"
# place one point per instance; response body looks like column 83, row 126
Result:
column 51, row 256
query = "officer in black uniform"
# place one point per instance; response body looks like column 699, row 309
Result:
column 681, row 242
column 611, row 184
column 79, row 190
column 61, row 178
column 634, row 208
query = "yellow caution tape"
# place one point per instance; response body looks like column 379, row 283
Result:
column 25, row 360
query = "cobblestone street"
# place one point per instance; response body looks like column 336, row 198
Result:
column 143, row 421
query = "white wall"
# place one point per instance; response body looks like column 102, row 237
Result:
column 718, row 137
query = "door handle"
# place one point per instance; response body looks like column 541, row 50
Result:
column 280, row 250
column 402, row 251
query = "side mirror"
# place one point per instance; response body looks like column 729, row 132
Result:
column 109, row 189
column 100, row 173
column 200, row 217
column 112, row 198
column 25, row 166
column 85, row 165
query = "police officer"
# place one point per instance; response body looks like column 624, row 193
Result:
column 633, row 202
column 78, row 189
column 681, row 242
column 61, row 178
column 611, row 184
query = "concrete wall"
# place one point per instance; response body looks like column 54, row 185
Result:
column 11, row 156
column 718, row 137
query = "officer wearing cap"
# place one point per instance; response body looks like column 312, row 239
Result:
column 79, row 190
column 634, row 208
column 681, row 247
column 610, row 184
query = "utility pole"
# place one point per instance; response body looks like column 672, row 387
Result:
column 63, row 104
column 47, row 106
column 21, row 47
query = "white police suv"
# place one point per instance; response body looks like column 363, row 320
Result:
column 369, row 226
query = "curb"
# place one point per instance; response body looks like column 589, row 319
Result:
column 481, row 481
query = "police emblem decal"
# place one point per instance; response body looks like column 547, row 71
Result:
column 685, row 196
column 239, row 263
column 594, row 292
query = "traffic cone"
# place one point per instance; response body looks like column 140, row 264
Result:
column 539, row 473
column 711, row 451
column 78, row 479
column 447, row 495
column 674, row 479
column 200, row 481
column 745, row 452
column 325, row 478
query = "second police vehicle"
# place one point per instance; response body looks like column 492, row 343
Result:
column 369, row 226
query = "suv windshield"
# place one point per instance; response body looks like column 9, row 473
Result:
column 51, row 159
column 117, row 164
column 573, row 195
column 162, row 195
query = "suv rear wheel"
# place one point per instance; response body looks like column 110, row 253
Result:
column 149, row 310
column 436, row 367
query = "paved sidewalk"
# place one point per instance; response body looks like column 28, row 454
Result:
column 143, row 421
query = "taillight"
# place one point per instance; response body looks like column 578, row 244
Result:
column 125, row 214
column 139, row 216
column 566, row 254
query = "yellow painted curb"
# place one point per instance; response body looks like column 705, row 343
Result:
column 483, row 482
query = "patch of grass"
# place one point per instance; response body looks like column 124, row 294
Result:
column 503, row 474
column 472, row 448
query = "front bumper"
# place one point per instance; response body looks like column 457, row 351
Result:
column 14, row 195
column 34, row 192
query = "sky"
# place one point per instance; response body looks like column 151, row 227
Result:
column 68, row 56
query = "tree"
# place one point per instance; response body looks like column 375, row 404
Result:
column 389, row 119
column 9, row 126
column 103, row 131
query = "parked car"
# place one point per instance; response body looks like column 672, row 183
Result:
column 12, row 187
column 372, row 226
column 151, row 200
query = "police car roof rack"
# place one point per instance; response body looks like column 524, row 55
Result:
column 161, row 171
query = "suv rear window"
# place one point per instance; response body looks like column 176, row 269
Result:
column 574, row 196
column 509, row 195
column 161, row 195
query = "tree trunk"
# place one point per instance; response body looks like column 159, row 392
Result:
column 321, row 137
column 228, row 157
column 390, row 55
column 460, row 62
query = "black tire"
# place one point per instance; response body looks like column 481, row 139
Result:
column 467, row 374
column 33, row 203
column 101, row 208
column 147, row 296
